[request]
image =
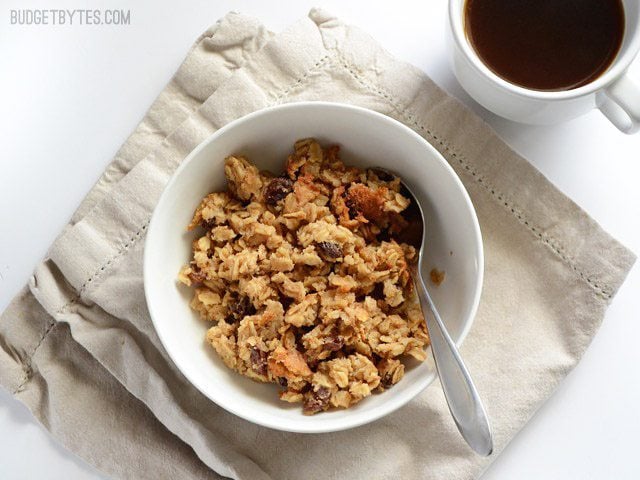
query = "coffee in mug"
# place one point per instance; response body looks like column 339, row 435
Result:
column 548, row 45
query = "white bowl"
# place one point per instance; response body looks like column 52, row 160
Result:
column 266, row 137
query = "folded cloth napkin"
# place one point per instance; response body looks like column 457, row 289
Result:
column 78, row 348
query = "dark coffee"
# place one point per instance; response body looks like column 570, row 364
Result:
column 546, row 44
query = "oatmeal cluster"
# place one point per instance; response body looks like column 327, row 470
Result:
column 303, row 281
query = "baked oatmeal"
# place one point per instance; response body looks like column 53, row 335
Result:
column 437, row 276
column 303, row 280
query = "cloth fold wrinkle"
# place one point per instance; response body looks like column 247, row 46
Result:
column 542, row 335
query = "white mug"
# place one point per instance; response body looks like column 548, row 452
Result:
column 614, row 93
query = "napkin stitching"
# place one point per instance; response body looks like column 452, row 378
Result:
column 546, row 239
column 287, row 90
column 27, row 365
column 114, row 257
column 28, row 362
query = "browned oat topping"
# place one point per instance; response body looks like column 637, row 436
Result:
column 303, row 280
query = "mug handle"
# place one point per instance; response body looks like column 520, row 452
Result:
column 620, row 103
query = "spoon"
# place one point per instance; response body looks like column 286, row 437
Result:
column 462, row 397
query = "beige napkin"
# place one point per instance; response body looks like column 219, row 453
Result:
column 78, row 348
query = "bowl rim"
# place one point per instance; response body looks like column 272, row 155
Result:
column 386, row 408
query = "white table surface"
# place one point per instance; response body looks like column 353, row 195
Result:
column 70, row 95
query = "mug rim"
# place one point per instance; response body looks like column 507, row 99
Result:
column 616, row 70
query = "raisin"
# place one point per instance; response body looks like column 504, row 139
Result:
column 353, row 207
column 377, row 292
column 208, row 224
column 277, row 189
column 282, row 381
column 258, row 361
column 329, row 250
column 312, row 362
column 382, row 174
column 284, row 300
column 317, row 401
column 197, row 275
column 333, row 344
column 386, row 381
column 240, row 309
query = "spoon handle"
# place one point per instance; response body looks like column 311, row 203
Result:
column 462, row 397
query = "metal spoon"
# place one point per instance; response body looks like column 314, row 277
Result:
column 462, row 397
